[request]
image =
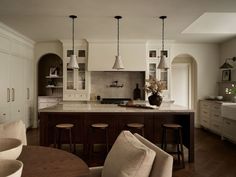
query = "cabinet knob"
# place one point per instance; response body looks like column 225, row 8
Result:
column 4, row 114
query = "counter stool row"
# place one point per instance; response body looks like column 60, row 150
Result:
column 133, row 127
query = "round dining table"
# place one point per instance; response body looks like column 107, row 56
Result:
column 40, row 161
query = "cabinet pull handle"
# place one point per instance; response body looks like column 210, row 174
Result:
column 8, row 95
column 13, row 94
column 228, row 123
column 28, row 93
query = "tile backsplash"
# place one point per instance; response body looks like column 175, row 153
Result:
column 116, row 84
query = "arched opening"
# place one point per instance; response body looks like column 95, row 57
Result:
column 184, row 80
column 50, row 72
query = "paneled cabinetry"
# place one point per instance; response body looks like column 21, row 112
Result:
column 76, row 82
column 210, row 115
column 16, row 78
column 229, row 129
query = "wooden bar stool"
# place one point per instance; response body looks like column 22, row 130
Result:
column 136, row 126
column 58, row 131
column 102, row 127
column 179, row 142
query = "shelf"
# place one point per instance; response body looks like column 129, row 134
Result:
column 54, row 77
column 52, row 86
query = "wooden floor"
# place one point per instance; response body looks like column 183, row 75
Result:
column 213, row 157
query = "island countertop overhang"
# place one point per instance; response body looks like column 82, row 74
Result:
column 76, row 107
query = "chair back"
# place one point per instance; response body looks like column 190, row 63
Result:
column 163, row 162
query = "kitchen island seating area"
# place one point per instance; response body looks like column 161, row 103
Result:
column 83, row 116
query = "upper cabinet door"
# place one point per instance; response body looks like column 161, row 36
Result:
column 101, row 56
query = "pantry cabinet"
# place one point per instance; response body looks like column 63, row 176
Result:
column 16, row 77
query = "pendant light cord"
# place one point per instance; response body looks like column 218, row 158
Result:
column 118, row 37
column 162, row 34
column 73, row 35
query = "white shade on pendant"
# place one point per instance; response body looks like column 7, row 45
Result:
column 118, row 63
column 73, row 64
column 163, row 63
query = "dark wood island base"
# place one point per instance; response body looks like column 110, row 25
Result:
column 117, row 121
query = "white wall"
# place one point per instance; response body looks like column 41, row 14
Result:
column 207, row 59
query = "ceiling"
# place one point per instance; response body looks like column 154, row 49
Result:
column 47, row 20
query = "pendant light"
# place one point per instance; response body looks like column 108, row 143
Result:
column 118, row 62
column 73, row 61
column 163, row 63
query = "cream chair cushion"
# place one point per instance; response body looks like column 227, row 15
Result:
column 14, row 129
column 163, row 163
column 128, row 157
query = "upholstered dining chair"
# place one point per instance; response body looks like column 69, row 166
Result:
column 160, row 166
column 14, row 129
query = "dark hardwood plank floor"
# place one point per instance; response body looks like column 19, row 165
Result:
column 213, row 157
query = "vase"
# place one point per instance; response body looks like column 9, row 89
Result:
column 155, row 99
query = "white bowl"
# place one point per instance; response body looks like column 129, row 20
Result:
column 219, row 97
column 10, row 148
column 10, row 168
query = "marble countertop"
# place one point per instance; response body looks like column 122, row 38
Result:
column 97, row 107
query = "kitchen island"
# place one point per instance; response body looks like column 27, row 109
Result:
column 83, row 115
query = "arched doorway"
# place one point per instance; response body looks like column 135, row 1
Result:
column 50, row 72
column 184, row 80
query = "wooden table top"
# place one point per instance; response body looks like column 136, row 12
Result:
column 40, row 161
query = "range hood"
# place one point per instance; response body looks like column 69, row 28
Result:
column 101, row 55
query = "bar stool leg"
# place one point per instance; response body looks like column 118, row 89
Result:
column 142, row 132
column 178, row 144
column 181, row 146
column 55, row 137
column 70, row 139
column 107, row 141
column 162, row 139
column 59, row 139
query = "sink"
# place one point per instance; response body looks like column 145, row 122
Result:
column 229, row 111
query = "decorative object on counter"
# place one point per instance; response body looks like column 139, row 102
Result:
column 226, row 75
column 219, row 97
column 116, row 85
column 137, row 93
column 154, row 87
column 163, row 64
column 73, row 61
column 98, row 97
column 226, row 64
column 53, row 71
column 118, row 62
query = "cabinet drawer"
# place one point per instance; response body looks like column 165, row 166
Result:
column 205, row 122
column 216, row 117
column 204, row 105
column 229, row 128
column 205, row 113
column 216, row 127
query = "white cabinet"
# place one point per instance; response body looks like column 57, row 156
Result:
column 152, row 61
column 76, row 82
column 101, row 55
column 16, row 77
column 229, row 129
column 210, row 115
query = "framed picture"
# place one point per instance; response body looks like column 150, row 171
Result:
column 226, row 75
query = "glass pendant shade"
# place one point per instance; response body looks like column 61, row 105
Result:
column 163, row 64
column 118, row 63
column 73, row 64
